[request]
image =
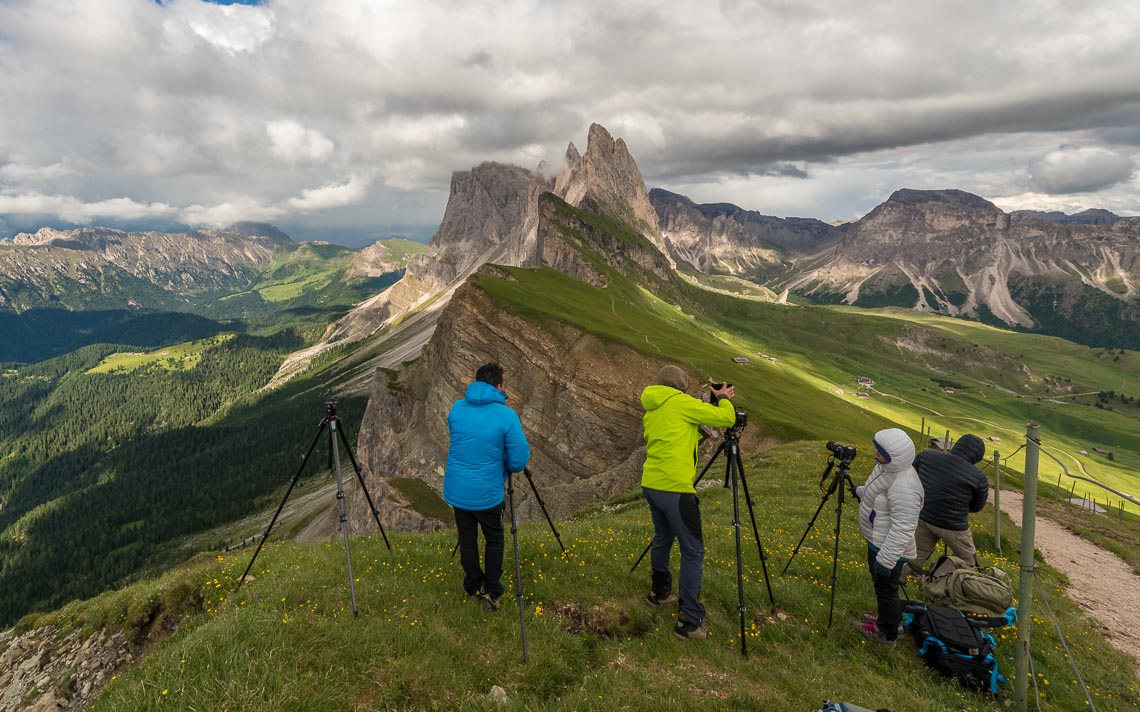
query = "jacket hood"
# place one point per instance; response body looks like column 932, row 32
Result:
column 654, row 397
column 897, row 444
column 480, row 393
column 971, row 448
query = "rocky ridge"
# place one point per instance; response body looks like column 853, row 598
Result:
column 723, row 238
column 943, row 251
column 103, row 267
column 960, row 253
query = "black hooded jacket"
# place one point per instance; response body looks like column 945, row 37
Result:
column 953, row 486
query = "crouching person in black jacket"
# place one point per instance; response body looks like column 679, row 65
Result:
column 954, row 488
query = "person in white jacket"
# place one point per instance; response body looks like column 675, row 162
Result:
column 889, row 504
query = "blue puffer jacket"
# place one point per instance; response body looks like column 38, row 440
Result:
column 486, row 441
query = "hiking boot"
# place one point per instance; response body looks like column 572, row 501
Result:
column 488, row 603
column 870, row 625
column 661, row 599
column 870, row 629
column 688, row 630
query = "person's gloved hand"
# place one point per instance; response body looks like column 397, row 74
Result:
column 882, row 571
column 853, row 489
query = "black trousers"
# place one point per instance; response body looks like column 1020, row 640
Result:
column 887, row 595
column 468, row 523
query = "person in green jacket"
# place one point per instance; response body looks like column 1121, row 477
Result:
column 672, row 432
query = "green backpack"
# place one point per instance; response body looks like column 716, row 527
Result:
column 954, row 583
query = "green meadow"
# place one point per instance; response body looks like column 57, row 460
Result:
column 176, row 357
column 288, row 639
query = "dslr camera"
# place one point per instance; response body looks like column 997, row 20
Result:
column 741, row 414
column 843, row 453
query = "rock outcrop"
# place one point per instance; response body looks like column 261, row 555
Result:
column 46, row 669
column 577, row 396
column 492, row 215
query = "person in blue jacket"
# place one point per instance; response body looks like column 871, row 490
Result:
column 487, row 442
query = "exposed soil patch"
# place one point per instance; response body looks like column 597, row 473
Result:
column 597, row 621
column 1100, row 581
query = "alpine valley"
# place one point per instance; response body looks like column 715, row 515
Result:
column 160, row 389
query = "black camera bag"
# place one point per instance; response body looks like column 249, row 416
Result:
column 954, row 644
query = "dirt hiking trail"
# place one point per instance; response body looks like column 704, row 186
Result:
column 1099, row 580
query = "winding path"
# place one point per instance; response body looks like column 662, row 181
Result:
column 1100, row 581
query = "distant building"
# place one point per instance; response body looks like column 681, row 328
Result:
column 947, row 389
column 865, row 381
column 741, row 360
column 1083, row 452
column 994, row 439
column 1100, row 451
column 863, row 394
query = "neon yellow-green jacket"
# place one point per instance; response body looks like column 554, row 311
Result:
column 671, row 436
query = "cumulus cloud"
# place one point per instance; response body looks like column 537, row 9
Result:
column 292, row 142
column 77, row 211
column 331, row 196
column 217, row 109
column 1072, row 169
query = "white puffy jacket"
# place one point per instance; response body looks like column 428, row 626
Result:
column 891, row 500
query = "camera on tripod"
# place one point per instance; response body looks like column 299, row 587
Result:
column 741, row 419
column 843, row 453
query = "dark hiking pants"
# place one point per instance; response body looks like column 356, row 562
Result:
column 677, row 516
column 468, row 523
column 887, row 595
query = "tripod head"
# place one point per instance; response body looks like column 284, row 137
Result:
column 330, row 408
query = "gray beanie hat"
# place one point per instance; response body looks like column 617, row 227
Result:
column 673, row 377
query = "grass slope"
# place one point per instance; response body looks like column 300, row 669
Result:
column 288, row 640
column 809, row 391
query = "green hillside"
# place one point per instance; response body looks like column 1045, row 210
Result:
column 288, row 640
column 800, row 381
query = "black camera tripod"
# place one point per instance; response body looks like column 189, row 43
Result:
column 330, row 421
column 842, row 476
column 734, row 474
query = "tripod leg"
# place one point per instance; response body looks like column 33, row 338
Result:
column 755, row 531
column 731, row 474
column 719, row 450
column 343, row 518
column 292, row 482
column 518, row 568
column 363, row 488
column 542, row 505
column 835, row 552
column 823, row 501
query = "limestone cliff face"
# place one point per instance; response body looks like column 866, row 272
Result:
column 493, row 215
column 578, row 399
column 609, row 176
column 724, row 238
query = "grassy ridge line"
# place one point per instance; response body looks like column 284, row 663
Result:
column 288, row 640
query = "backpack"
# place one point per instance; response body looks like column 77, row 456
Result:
column 955, row 583
column 956, row 645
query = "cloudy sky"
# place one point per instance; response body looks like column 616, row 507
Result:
column 345, row 118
